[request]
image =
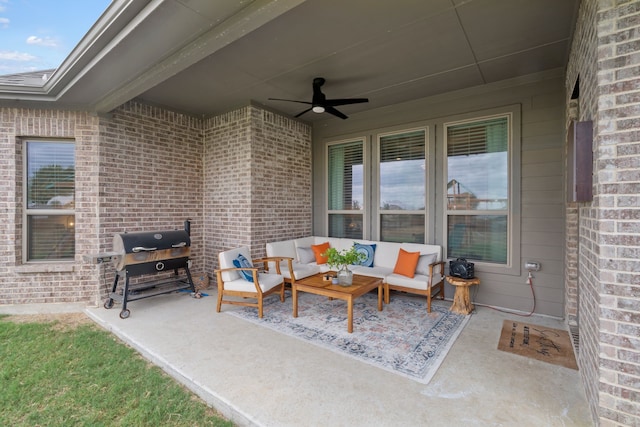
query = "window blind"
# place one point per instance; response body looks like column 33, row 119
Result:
column 345, row 161
column 51, row 175
column 403, row 146
column 487, row 136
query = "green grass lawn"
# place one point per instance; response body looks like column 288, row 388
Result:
column 57, row 375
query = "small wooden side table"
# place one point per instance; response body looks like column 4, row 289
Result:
column 461, row 298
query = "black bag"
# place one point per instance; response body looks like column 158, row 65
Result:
column 461, row 268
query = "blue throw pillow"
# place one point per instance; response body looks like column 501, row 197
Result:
column 368, row 250
column 242, row 262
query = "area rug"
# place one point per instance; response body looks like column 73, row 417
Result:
column 538, row 342
column 403, row 338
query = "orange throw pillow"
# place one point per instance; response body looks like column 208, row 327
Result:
column 319, row 251
column 406, row 263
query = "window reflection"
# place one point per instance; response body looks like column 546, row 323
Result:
column 345, row 225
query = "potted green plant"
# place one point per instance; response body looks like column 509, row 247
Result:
column 341, row 260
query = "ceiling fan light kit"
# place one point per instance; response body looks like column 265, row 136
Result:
column 320, row 104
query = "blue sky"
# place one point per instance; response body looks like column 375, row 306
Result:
column 40, row 34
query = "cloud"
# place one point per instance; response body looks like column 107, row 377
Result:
column 4, row 22
column 47, row 41
column 16, row 56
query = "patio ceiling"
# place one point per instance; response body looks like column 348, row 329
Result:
column 206, row 57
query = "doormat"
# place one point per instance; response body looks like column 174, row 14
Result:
column 538, row 342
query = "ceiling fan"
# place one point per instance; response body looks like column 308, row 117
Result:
column 320, row 104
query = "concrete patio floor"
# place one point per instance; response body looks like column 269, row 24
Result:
column 255, row 376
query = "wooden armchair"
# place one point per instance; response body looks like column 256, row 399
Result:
column 239, row 277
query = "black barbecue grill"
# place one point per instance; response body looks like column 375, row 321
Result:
column 146, row 253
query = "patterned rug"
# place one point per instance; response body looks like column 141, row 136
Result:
column 403, row 338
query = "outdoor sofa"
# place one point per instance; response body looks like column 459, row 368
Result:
column 387, row 260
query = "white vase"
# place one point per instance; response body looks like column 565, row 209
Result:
column 345, row 276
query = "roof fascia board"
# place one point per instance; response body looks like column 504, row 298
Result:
column 247, row 20
column 64, row 75
column 73, row 64
column 124, row 33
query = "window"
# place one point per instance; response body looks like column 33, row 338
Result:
column 50, row 193
column 478, row 189
column 402, row 190
column 346, row 189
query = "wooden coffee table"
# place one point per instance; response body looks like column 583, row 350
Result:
column 316, row 285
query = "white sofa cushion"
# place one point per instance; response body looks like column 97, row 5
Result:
column 285, row 248
column 386, row 254
column 423, row 263
column 306, row 242
column 305, row 255
column 300, row 270
column 380, row 272
column 417, row 282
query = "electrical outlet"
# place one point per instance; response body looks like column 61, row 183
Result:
column 532, row 266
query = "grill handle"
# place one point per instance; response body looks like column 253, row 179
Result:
column 179, row 245
column 142, row 248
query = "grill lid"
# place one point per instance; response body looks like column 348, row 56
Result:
column 139, row 247
column 127, row 243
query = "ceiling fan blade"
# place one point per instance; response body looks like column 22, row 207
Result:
column 346, row 101
column 289, row 100
column 335, row 112
column 305, row 111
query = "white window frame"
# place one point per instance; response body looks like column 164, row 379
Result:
column 513, row 213
column 365, row 182
column 425, row 212
column 28, row 212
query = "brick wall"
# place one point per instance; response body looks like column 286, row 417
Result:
column 143, row 168
column 618, row 182
column 605, row 56
column 581, row 285
column 150, row 176
column 67, row 282
column 281, row 174
column 227, row 183
column 257, row 185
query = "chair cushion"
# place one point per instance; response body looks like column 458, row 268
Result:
column 226, row 261
column 406, row 263
column 319, row 251
column 242, row 262
column 305, row 255
column 423, row 263
column 368, row 250
column 266, row 281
